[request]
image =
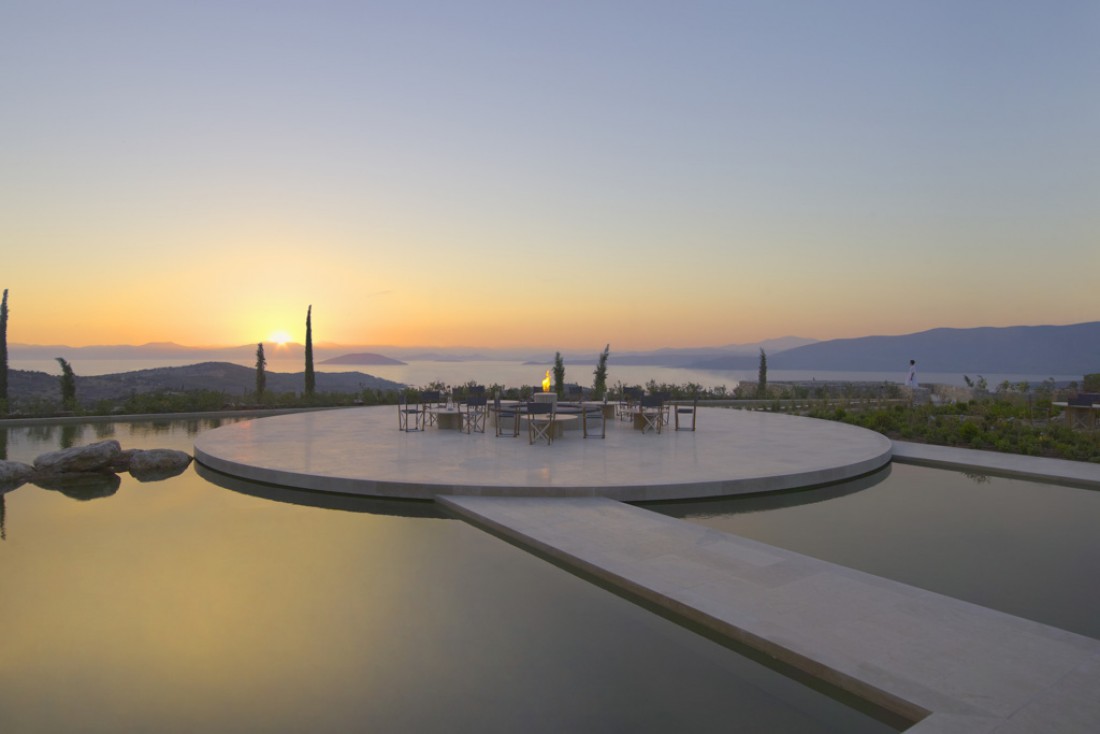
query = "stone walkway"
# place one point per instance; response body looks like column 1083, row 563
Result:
column 952, row 665
column 1057, row 471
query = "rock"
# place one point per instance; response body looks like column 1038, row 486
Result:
column 121, row 462
column 91, row 458
column 81, row 485
column 14, row 473
column 155, row 464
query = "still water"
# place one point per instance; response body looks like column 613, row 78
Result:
column 183, row 605
column 1022, row 547
column 516, row 374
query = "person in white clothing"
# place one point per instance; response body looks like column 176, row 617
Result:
column 911, row 380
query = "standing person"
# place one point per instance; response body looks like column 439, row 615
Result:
column 911, row 380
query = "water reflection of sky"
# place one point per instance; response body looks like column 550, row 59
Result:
column 181, row 606
column 1022, row 547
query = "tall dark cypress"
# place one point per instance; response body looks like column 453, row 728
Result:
column 68, row 384
column 4, row 354
column 311, row 379
column 762, row 376
column 261, row 376
column 559, row 374
column 599, row 385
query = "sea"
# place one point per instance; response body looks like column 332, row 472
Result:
column 516, row 374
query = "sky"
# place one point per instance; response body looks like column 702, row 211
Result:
column 555, row 174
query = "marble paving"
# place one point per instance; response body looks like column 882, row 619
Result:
column 361, row 451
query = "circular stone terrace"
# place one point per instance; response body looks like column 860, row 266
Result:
column 361, row 451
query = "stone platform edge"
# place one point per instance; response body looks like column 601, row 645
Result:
column 1055, row 471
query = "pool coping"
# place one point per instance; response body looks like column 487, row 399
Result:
column 1058, row 471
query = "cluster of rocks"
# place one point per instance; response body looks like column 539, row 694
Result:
column 92, row 470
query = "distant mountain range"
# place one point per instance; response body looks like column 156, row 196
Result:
column 1035, row 350
column 362, row 358
column 327, row 353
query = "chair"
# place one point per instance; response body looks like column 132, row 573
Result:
column 666, row 405
column 688, row 413
column 540, row 422
column 629, row 403
column 409, row 406
column 473, row 414
column 652, row 411
column 592, row 420
column 433, row 400
column 506, row 412
column 1079, row 410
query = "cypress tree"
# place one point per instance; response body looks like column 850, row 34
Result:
column 599, row 385
column 4, row 354
column 762, row 376
column 311, row 379
column 261, row 376
column 559, row 374
column 68, row 384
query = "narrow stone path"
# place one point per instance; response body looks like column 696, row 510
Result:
column 951, row 665
column 1010, row 465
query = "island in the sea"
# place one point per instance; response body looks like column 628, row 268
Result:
column 362, row 358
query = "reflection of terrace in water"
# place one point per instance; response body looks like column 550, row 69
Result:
column 883, row 641
column 623, row 547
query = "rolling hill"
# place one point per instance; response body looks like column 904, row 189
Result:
column 1053, row 350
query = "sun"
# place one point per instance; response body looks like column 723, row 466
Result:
column 280, row 337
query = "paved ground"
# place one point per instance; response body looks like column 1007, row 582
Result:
column 360, row 451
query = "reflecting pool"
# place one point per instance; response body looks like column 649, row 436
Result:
column 201, row 603
column 1022, row 547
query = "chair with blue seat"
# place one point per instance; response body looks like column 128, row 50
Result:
column 651, row 412
column 432, row 401
column 410, row 412
column 540, row 422
column 666, row 405
column 473, row 413
column 685, row 414
column 506, row 412
column 628, row 405
column 593, row 422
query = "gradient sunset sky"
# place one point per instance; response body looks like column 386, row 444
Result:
column 562, row 174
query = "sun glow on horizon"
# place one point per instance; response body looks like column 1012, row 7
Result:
column 280, row 337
